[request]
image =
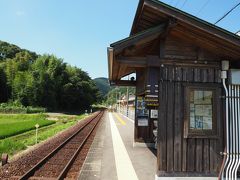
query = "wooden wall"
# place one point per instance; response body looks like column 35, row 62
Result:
column 176, row 154
column 179, row 156
column 141, row 133
column 141, row 81
column 177, row 48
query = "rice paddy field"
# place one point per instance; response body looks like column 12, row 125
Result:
column 13, row 124
column 17, row 132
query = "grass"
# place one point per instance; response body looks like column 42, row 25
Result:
column 13, row 145
column 11, row 125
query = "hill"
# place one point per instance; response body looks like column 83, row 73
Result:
column 117, row 93
column 103, row 85
column 111, row 92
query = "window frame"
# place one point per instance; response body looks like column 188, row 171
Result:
column 207, row 133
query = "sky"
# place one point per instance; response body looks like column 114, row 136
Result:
column 79, row 31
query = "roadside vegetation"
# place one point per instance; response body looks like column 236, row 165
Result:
column 14, row 144
column 17, row 108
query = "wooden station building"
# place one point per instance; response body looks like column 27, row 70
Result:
column 177, row 59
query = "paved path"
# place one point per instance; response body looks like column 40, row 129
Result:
column 112, row 155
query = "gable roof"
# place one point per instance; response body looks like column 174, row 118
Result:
column 153, row 31
column 147, row 9
column 155, row 20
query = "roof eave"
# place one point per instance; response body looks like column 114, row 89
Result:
column 221, row 32
column 110, row 62
column 138, row 11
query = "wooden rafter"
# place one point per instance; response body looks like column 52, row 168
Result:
column 140, row 38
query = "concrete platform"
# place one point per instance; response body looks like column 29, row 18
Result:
column 112, row 155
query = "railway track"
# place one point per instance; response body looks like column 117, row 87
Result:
column 59, row 162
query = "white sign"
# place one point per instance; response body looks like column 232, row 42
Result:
column 154, row 113
column 142, row 122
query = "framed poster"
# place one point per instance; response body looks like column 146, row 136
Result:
column 141, row 107
column 154, row 113
column 142, row 121
column 201, row 110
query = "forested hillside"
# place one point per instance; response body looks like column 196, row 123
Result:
column 103, row 85
column 117, row 93
column 43, row 80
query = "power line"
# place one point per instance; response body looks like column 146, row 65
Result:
column 204, row 5
column 227, row 13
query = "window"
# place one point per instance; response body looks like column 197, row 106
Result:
column 200, row 111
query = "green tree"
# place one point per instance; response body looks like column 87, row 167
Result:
column 46, row 81
column 3, row 85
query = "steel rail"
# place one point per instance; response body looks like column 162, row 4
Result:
column 70, row 162
column 29, row 173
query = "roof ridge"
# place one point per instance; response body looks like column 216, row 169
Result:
column 185, row 14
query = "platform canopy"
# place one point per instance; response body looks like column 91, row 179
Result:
column 154, row 21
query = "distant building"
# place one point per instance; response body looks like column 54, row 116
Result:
column 127, row 107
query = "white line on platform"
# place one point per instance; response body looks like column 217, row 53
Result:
column 124, row 165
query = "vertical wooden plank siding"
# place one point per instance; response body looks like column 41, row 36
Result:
column 191, row 158
column 199, row 155
column 162, row 125
column 170, row 124
column 177, row 121
column 206, row 152
column 199, row 77
column 176, row 153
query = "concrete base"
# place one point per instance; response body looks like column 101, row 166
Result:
column 185, row 178
column 147, row 145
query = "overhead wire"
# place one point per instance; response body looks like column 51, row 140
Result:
column 234, row 7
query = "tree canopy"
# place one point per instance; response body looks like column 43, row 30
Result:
column 117, row 93
column 43, row 80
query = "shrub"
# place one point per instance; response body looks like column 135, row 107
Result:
column 16, row 107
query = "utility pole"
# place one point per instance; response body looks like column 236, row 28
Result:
column 127, row 99
column 116, row 101
column 119, row 104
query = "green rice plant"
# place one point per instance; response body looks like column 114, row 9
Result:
column 11, row 125
column 14, row 144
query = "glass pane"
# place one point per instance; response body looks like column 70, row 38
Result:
column 201, row 109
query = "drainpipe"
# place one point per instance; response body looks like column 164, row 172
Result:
column 225, row 67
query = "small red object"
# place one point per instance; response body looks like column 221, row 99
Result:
column 4, row 159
